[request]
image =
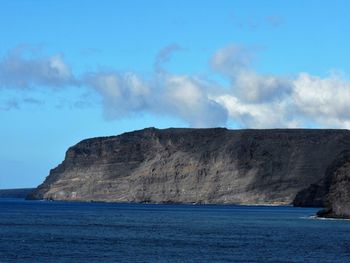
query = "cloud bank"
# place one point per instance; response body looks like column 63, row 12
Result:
column 127, row 94
column 250, row 100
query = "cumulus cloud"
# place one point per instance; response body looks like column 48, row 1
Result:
column 259, row 115
column 289, row 102
column 22, row 68
column 235, row 62
column 325, row 100
column 125, row 94
column 122, row 94
column 251, row 99
column 188, row 98
column 252, row 87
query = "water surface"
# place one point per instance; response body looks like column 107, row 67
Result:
column 40, row 231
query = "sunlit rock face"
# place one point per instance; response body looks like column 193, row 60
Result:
column 198, row 166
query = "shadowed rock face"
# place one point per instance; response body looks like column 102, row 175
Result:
column 198, row 166
column 337, row 202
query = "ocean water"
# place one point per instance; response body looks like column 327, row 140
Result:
column 40, row 231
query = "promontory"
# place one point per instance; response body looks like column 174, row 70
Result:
column 304, row 167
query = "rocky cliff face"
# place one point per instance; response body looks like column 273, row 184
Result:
column 337, row 201
column 200, row 166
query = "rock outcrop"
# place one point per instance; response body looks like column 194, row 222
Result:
column 204, row 166
column 337, row 203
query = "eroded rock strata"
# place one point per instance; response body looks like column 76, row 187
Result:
column 205, row 166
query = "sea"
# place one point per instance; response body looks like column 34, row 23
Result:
column 50, row 231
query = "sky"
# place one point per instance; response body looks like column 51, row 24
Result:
column 71, row 70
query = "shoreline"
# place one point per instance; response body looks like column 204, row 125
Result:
column 173, row 203
column 316, row 216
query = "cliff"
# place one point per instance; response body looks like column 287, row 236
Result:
column 202, row 166
column 337, row 202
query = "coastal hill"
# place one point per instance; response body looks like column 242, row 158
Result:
column 306, row 167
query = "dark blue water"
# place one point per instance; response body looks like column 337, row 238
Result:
column 35, row 231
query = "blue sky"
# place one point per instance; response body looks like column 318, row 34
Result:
column 70, row 70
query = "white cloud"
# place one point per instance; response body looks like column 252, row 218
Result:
column 325, row 100
column 259, row 115
column 188, row 99
column 21, row 69
column 298, row 102
column 122, row 94
column 180, row 96
column 260, row 101
column 253, row 87
column 251, row 100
